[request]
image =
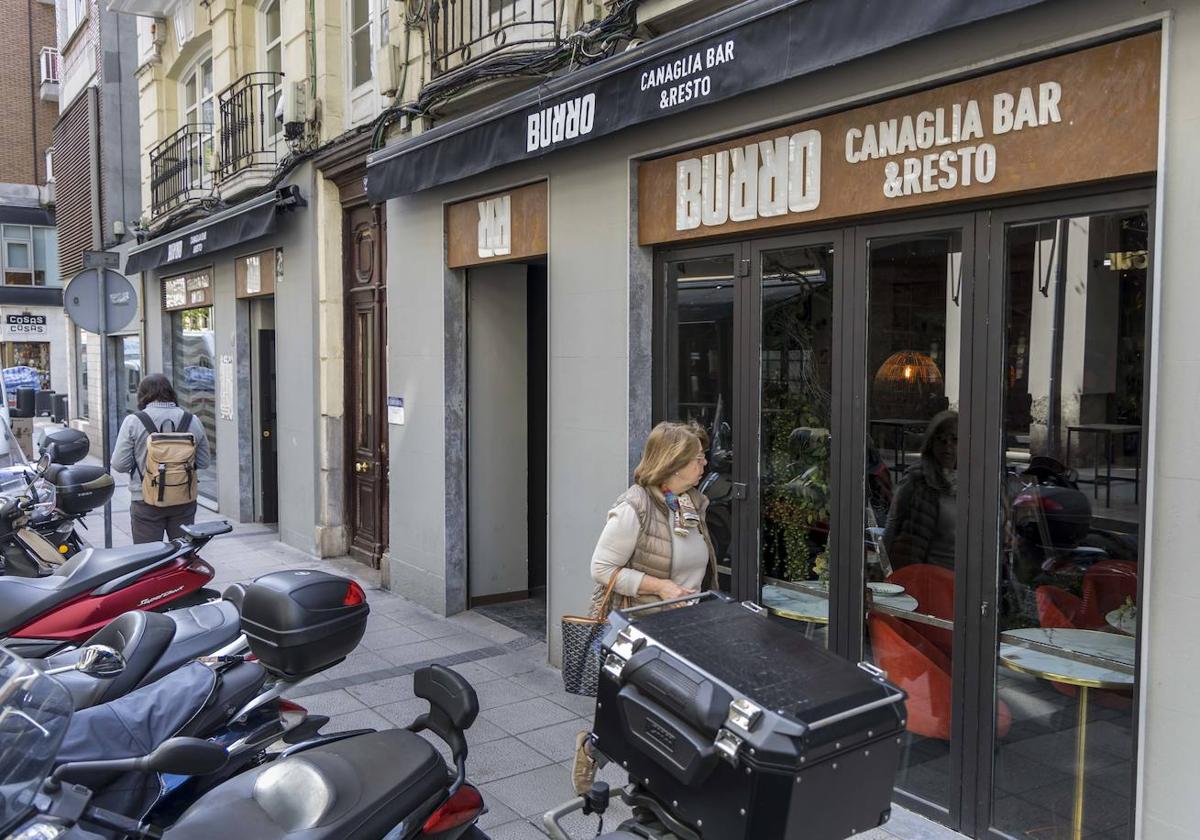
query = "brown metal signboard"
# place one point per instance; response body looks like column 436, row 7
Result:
column 1078, row 118
column 502, row 227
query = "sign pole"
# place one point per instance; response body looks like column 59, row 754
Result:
column 106, row 423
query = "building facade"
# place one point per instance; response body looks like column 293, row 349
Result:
column 98, row 194
column 33, row 347
column 921, row 278
column 258, row 252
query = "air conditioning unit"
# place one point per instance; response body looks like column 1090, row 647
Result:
column 292, row 110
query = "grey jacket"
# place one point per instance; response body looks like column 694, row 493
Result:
column 129, row 454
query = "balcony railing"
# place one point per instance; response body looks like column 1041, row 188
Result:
column 465, row 32
column 250, row 135
column 49, row 62
column 180, row 168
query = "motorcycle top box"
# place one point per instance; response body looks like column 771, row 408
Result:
column 299, row 622
column 747, row 729
column 80, row 487
column 66, row 446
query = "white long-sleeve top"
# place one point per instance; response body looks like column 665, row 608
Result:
column 618, row 541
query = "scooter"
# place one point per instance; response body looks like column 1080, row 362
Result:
column 369, row 785
column 44, row 615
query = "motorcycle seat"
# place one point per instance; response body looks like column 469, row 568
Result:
column 358, row 787
column 24, row 599
column 199, row 631
column 140, row 637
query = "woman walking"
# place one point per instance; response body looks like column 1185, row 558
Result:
column 655, row 541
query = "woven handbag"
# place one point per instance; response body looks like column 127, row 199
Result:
column 581, row 654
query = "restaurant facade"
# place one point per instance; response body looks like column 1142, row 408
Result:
column 921, row 281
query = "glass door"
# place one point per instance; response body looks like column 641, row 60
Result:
column 911, row 290
column 701, row 343
column 792, row 502
column 1068, row 449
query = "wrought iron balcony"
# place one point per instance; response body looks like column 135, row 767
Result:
column 180, row 168
column 250, row 135
column 466, row 32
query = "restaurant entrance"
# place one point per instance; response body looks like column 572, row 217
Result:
column 926, row 450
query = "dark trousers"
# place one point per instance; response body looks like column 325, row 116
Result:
column 149, row 522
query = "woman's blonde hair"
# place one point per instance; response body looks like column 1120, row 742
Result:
column 668, row 450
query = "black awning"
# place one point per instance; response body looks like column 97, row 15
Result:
column 242, row 223
column 13, row 214
column 749, row 46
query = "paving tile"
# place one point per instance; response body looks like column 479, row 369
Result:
column 359, row 662
column 333, row 703
column 475, row 674
column 389, row 636
column 497, row 814
column 500, row 759
column 582, row 706
column 434, row 628
column 527, row 715
column 485, row 626
column 412, row 653
column 382, row 692
column 543, row 680
column 534, row 792
column 556, row 742
column 501, row 692
column 403, row 712
column 511, row 663
column 516, row 830
column 909, row 826
column 464, row 642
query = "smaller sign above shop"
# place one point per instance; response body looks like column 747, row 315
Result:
column 257, row 274
column 24, row 327
column 503, row 227
column 187, row 291
column 1046, row 124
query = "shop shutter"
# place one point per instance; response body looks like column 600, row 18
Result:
column 74, row 206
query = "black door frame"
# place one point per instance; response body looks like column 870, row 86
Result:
column 981, row 351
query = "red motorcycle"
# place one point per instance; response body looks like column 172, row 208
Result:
column 42, row 615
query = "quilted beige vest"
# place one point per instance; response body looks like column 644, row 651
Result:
column 653, row 552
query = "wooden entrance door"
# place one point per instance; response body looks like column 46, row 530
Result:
column 366, row 342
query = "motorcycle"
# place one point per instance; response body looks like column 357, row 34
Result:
column 40, row 616
column 329, row 787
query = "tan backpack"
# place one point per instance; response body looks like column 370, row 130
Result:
column 169, row 474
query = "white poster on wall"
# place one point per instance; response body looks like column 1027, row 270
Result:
column 24, row 326
column 226, row 387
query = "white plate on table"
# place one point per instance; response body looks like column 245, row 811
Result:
column 881, row 588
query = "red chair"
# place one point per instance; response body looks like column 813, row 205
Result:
column 1106, row 585
column 1059, row 608
column 933, row 587
column 922, row 670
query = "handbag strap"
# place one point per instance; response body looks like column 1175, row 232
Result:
column 606, row 601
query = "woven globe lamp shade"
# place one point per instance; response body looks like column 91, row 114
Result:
column 908, row 369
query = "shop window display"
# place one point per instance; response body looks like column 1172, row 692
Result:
column 193, row 365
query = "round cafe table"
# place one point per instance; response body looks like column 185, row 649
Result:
column 1122, row 621
column 1069, row 670
column 812, row 603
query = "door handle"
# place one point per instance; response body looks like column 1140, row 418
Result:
column 266, row 433
column 362, row 466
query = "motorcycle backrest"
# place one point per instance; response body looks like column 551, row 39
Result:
column 453, row 706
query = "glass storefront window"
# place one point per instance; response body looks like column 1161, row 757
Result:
column 1071, row 506
column 193, row 364
column 129, row 371
column 31, row 359
column 83, row 396
column 795, row 406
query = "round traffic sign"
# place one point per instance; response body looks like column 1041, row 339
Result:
column 100, row 300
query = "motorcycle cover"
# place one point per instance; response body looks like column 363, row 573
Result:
column 132, row 726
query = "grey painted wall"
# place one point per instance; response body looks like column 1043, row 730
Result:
column 296, row 355
column 498, row 431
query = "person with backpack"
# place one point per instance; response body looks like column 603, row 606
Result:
column 162, row 447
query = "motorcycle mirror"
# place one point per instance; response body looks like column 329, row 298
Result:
column 186, row 757
column 100, row 661
column 44, row 461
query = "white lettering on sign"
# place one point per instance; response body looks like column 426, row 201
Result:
column 674, row 76
column 23, row 326
column 495, row 227
column 174, row 250
column 759, row 180
column 956, row 125
column 564, row 121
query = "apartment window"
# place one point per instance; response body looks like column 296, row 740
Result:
column 383, row 22
column 146, row 33
column 362, row 53
column 70, row 15
column 30, row 256
column 273, row 61
column 198, row 106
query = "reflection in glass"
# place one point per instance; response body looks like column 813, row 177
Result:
column 129, row 350
column 699, row 303
column 797, row 325
column 1074, row 362
column 911, row 504
column 193, row 365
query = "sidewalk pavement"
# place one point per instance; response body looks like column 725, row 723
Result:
column 522, row 743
